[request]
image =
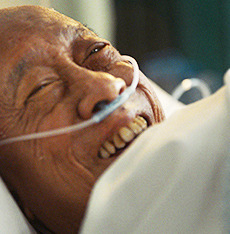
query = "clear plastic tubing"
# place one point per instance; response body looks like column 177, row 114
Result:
column 96, row 118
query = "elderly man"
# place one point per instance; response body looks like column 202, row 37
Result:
column 56, row 73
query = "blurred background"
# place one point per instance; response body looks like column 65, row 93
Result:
column 172, row 40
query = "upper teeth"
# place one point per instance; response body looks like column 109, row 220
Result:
column 124, row 136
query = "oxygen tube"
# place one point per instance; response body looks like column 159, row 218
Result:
column 96, row 118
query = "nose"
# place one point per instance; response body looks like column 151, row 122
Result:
column 100, row 88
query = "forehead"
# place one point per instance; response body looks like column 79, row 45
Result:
column 20, row 25
column 32, row 16
column 16, row 28
column 44, row 45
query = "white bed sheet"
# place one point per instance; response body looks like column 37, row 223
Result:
column 173, row 179
column 12, row 221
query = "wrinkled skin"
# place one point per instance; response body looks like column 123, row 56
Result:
column 53, row 73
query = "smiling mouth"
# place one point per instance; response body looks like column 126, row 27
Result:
column 124, row 136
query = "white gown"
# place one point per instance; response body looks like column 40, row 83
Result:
column 175, row 178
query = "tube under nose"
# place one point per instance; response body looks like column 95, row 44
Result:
column 123, row 97
column 108, row 109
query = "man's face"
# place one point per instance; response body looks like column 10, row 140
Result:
column 56, row 73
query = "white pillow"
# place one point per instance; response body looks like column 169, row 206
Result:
column 12, row 220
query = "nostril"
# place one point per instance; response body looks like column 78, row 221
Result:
column 122, row 90
column 100, row 105
column 99, row 91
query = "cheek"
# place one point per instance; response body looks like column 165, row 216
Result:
column 57, row 189
column 70, row 155
column 69, row 150
column 54, row 172
column 147, row 87
column 59, row 117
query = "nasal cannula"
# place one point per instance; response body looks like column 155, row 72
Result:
column 96, row 118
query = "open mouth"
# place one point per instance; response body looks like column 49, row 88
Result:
column 124, row 136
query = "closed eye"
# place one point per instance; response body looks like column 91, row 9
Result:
column 37, row 89
column 51, row 90
column 48, row 82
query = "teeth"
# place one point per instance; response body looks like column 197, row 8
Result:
column 125, row 135
column 135, row 127
column 109, row 147
column 141, row 121
column 103, row 153
column 118, row 142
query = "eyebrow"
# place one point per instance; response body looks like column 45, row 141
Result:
column 90, row 29
column 18, row 71
column 72, row 33
column 15, row 76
